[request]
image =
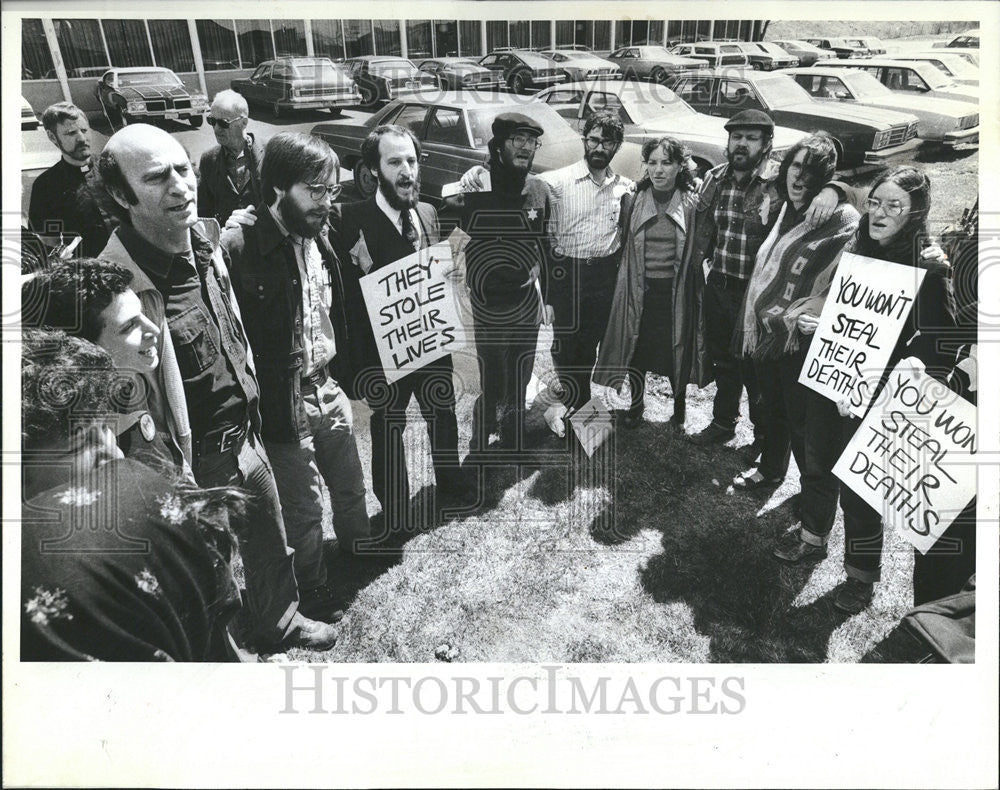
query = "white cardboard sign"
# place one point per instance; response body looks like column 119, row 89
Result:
column 591, row 424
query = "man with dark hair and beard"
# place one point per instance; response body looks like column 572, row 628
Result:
column 287, row 282
column 737, row 206
column 391, row 225
column 506, row 254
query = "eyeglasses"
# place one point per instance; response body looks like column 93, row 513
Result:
column 597, row 142
column 222, row 123
column 317, row 191
column 893, row 209
column 525, row 141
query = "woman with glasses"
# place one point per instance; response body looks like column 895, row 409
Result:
column 650, row 328
column 894, row 228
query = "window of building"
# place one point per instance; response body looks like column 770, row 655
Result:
column 217, row 39
column 255, row 42
column 674, row 32
column 746, row 30
column 171, row 44
column 328, row 38
column 496, row 35
column 289, row 37
column 419, row 39
column 602, row 34
column 446, row 38
column 81, row 46
column 584, row 33
column 520, row 34
column 541, row 35
column 656, row 32
column 565, row 33
column 623, row 33
column 640, row 32
column 358, row 38
column 36, row 60
column 470, row 40
column 387, row 37
column 127, row 42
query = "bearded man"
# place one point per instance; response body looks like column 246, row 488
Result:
column 287, row 281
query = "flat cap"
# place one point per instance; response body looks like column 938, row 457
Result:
column 507, row 123
column 754, row 119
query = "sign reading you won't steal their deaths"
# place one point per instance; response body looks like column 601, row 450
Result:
column 868, row 303
column 413, row 310
column 913, row 458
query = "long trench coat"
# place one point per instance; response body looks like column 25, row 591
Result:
column 622, row 334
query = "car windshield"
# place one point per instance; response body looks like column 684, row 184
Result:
column 648, row 101
column 864, row 85
column 554, row 128
column 319, row 71
column 654, row 52
column 135, row 79
column 393, row 68
column 780, row 91
column 933, row 76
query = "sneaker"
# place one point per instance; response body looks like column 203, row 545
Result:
column 310, row 634
column 713, row 434
column 320, row 603
column 854, row 596
column 751, row 481
column 793, row 550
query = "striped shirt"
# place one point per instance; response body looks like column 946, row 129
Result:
column 585, row 214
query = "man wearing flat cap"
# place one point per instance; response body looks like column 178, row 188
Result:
column 506, row 263
column 737, row 207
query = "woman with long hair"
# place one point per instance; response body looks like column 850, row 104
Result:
column 651, row 326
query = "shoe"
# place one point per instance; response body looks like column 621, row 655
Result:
column 713, row 434
column 793, row 550
column 854, row 596
column 320, row 603
column 310, row 634
column 627, row 418
column 752, row 481
column 751, row 453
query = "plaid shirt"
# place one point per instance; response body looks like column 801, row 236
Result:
column 737, row 240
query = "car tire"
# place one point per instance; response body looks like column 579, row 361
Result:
column 364, row 181
column 369, row 98
column 659, row 74
column 276, row 110
column 196, row 121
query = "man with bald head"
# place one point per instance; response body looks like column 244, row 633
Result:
column 148, row 182
column 230, row 172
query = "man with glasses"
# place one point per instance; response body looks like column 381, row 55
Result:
column 230, row 172
column 287, row 281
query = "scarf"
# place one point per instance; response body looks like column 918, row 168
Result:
column 787, row 269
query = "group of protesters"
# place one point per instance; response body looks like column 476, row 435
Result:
column 195, row 369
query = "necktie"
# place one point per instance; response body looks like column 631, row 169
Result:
column 409, row 231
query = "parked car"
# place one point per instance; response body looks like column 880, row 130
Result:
column 147, row 93
column 28, row 118
column 912, row 76
column 862, row 135
column 807, row 53
column 523, row 70
column 944, row 121
column 652, row 63
column 870, row 44
column 457, row 73
column 958, row 68
column 967, row 40
column 289, row 84
column 839, row 47
column 578, row 65
column 765, row 56
column 384, row 77
column 454, row 128
column 649, row 112
column 714, row 53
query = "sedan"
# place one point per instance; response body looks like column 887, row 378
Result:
column 862, row 136
column 714, row 53
column 967, row 40
column 913, row 77
column 453, row 128
column 523, row 71
column 288, row 84
column 944, row 121
column 839, row 47
column 454, row 74
column 954, row 66
column 383, row 78
column 582, row 65
column 871, row 44
column 28, row 118
column 807, row 53
column 145, row 93
column 652, row 63
column 765, row 56
column 650, row 112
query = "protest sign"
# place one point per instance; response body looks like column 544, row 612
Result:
column 913, row 458
column 869, row 301
column 591, row 424
column 413, row 311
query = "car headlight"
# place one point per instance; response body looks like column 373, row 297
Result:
column 968, row 121
column 135, row 106
column 296, row 91
column 881, row 140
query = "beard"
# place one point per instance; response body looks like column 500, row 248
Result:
column 748, row 162
column 517, row 162
column 302, row 223
column 390, row 189
column 598, row 159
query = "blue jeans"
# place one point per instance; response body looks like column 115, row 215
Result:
column 328, row 453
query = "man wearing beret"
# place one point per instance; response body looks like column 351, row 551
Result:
column 737, row 207
column 506, row 256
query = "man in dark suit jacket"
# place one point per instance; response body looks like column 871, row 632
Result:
column 229, row 173
column 372, row 234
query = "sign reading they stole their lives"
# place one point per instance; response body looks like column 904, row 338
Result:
column 913, row 458
column 863, row 315
column 413, row 310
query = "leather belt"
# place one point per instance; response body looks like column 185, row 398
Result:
column 224, row 441
column 724, row 281
column 314, row 381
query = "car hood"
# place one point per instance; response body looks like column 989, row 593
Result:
column 153, row 92
column 467, row 68
column 855, row 113
column 918, row 104
column 713, row 129
column 556, row 153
